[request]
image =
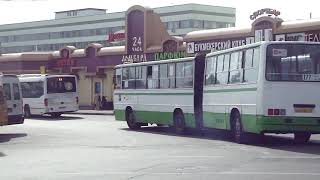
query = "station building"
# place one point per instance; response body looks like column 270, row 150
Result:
column 147, row 39
column 81, row 27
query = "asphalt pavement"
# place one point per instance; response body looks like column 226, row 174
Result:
column 97, row 147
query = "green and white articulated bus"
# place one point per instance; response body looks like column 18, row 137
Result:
column 265, row 87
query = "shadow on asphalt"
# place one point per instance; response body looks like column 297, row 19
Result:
column 49, row 118
column 276, row 142
column 8, row 137
column 2, row 154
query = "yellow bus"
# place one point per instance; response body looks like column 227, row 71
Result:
column 3, row 109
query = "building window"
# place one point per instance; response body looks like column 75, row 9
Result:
column 186, row 24
column 209, row 25
column 173, row 25
column 198, row 24
column 221, row 25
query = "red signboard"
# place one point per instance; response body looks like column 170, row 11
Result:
column 65, row 63
column 115, row 37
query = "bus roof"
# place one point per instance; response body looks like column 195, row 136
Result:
column 8, row 75
column 43, row 75
column 155, row 62
column 40, row 77
column 259, row 44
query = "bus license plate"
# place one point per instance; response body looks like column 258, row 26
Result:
column 62, row 107
column 303, row 110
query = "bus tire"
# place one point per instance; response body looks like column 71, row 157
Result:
column 27, row 112
column 301, row 137
column 131, row 122
column 56, row 114
column 179, row 123
column 237, row 129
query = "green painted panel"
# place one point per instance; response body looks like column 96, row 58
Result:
column 249, row 123
column 281, row 124
column 154, row 117
column 190, row 120
column 215, row 120
column 120, row 115
column 264, row 120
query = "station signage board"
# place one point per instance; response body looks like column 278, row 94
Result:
column 311, row 36
column 169, row 55
column 217, row 45
column 116, row 37
column 65, row 63
column 266, row 11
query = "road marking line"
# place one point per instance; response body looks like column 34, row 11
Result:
column 196, row 156
column 196, row 173
column 290, row 157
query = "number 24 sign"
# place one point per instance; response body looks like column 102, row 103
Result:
column 136, row 44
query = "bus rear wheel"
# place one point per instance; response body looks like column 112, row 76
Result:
column 301, row 137
column 179, row 123
column 131, row 121
column 237, row 129
column 27, row 112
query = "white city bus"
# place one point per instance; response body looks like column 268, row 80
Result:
column 153, row 92
column 12, row 91
column 49, row 94
column 266, row 87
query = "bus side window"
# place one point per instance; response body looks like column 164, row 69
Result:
column 128, row 78
column 188, row 74
column 171, row 75
column 7, row 91
column 250, row 72
column 141, row 74
column 235, row 68
column 164, row 81
column 211, row 70
column 16, row 92
column 184, row 74
column 125, row 78
column 153, row 77
column 222, row 69
column 118, row 79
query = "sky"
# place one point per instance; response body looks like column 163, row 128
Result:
column 14, row 11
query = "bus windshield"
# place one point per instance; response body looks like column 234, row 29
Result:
column 293, row 62
column 61, row 85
